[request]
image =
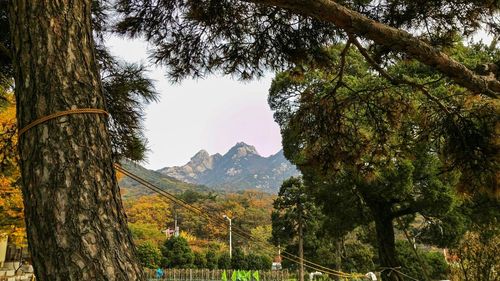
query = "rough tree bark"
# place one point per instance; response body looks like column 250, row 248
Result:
column 392, row 38
column 387, row 248
column 386, row 245
column 76, row 225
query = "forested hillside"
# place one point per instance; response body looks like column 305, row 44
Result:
column 131, row 188
column 149, row 216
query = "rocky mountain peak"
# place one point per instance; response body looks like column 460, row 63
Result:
column 242, row 149
column 240, row 168
column 200, row 156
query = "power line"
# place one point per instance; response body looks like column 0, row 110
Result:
column 210, row 216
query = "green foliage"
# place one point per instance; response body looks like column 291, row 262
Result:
column 200, row 260
column 211, row 257
column 143, row 232
column 190, row 196
column 292, row 206
column 320, row 245
column 239, row 260
column 126, row 87
column 353, row 115
column 358, row 257
column 265, row 263
column 195, row 38
column 432, row 261
column 377, row 150
column 149, row 255
column 126, row 90
column 177, row 253
column 252, row 261
column 224, row 261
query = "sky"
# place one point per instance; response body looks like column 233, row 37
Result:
column 212, row 113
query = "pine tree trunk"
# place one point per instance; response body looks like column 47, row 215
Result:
column 386, row 246
column 76, row 226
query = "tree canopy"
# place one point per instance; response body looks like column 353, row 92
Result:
column 372, row 151
column 244, row 38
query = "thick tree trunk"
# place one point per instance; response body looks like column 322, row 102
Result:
column 77, row 229
column 392, row 38
column 386, row 246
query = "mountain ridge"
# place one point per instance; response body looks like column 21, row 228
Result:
column 242, row 167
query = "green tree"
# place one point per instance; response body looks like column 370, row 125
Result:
column 265, row 262
column 370, row 149
column 200, row 260
column 320, row 245
column 357, row 256
column 253, row 262
column 238, row 260
column 211, row 256
column 224, row 261
column 177, row 253
column 149, row 255
column 292, row 210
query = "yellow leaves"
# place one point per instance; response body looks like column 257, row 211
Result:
column 8, row 138
column 148, row 209
column 190, row 238
column 119, row 175
column 11, row 199
column 12, row 211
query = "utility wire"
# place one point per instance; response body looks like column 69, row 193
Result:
column 210, row 216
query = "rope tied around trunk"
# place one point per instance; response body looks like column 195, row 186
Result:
column 59, row 114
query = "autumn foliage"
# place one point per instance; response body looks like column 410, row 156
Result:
column 11, row 200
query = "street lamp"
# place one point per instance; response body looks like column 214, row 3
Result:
column 230, row 238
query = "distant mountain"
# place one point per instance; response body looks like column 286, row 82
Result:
column 240, row 168
column 132, row 188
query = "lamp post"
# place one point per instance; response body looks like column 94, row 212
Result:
column 230, row 238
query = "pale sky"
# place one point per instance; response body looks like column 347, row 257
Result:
column 212, row 113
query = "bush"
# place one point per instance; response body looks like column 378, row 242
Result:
column 239, row 261
column 253, row 262
column 265, row 263
column 149, row 255
column 224, row 261
column 211, row 258
column 177, row 253
column 200, row 260
column 476, row 257
column 358, row 257
column 432, row 261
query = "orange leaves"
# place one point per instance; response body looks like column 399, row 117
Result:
column 11, row 199
column 12, row 210
column 8, row 137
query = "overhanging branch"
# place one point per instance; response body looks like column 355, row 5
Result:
column 393, row 80
column 392, row 38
